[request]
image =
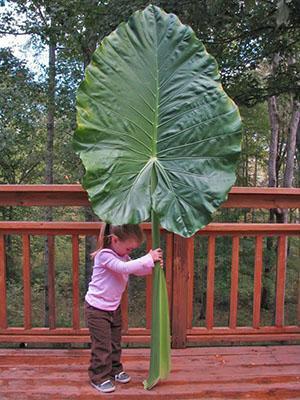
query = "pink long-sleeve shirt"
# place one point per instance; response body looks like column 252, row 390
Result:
column 110, row 277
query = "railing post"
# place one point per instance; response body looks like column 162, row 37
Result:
column 182, row 303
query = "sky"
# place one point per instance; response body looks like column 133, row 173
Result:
column 22, row 49
column 20, row 45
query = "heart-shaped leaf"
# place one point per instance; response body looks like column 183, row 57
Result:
column 152, row 104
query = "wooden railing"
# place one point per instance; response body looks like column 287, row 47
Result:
column 179, row 263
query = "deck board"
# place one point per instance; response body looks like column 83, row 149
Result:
column 259, row 372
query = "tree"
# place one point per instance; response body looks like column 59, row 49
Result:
column 21, row 109
column 244, row 36
column 252, row 170
column 44, row 19
column 71, row 33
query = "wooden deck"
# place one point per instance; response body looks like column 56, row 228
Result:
column 260, row 372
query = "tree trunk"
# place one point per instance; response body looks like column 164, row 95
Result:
column 49, row 159
column 274, row 122
column 246, row 171
column 272, row 182
column 291, row 151
column 291, row 145
column 277, row 156
column 297, row 177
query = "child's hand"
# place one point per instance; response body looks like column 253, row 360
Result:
column 157, row 255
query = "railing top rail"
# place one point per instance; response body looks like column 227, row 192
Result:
column 75, row 195
column 76, row 187
column 43, row 188
column 92, row 228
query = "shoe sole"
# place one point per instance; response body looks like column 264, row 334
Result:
column 103, row 390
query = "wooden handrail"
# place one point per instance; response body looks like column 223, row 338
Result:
column 75, row 195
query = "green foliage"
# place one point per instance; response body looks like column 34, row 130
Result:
column 21, row 112
column 253, row 163
column 241, row 35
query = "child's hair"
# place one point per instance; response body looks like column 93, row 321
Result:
column 123, row 232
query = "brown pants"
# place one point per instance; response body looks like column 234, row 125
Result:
column 105, row 330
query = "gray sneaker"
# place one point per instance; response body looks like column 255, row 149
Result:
column 122, row 377
column 104, row 387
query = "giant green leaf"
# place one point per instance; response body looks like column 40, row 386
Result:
column 158, row 137
column 151, row 101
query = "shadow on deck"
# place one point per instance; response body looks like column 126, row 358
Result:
column 260, row 372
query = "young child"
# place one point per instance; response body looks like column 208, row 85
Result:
column 112, row 266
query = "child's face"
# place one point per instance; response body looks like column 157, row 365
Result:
column 123, row 247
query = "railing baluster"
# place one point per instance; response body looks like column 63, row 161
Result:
column 298, row 303
column 257, row 281
column 190, row 280
column 234, row 282
column 3, row 312
column 182, row 306
column 51, row 283
column 124, row 310
column 169, row 266
column 210, row 282
column 148, row 286
column 75, row 281
column 27, row 281
column 280, row 280
column 190, row 293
